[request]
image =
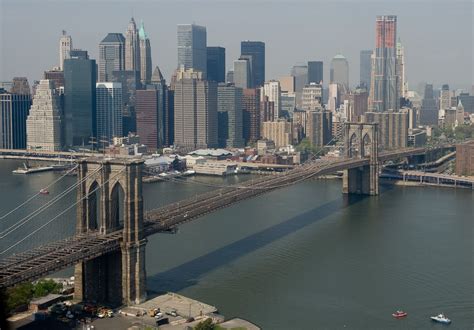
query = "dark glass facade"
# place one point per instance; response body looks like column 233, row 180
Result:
column 257, row 50
column 216, row 64
column 130, row 81
column 315, row 72
column 79, row 101
column 14, row 110
column 365, row 68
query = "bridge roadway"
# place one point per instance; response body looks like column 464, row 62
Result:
column 52, row 257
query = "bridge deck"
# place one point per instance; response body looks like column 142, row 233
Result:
column 52, row 257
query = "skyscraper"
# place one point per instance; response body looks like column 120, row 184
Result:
column 20, row 86
column 145, row 56
column 166, row 110
column 280, row 132
column 79, row 101
column 230, row 117
column 79, row 53
column 445, row 98
column 130, row 81
column 272, row 90
column 192, row 48
column 195, row 111
column 384, row 94
column 242, row 77
column 365, row 68
column 150, row 110
column 44, row 123
column 132, row 49
column 357, row 105
column 65, row 47
column 257, row 50
column 315, row 72
column 14, row 109
column 216, row 64
column 287, row 84
column 109, row 111
column 300, row 72
column 312, row 97
column 339, row 73
column 393, row 128
column 401, row 81
column 319, row 127
column 111, row 56
column 429, row 110
column 251, row 114
column 250, row 60
column 56, row 77
column 334, row 96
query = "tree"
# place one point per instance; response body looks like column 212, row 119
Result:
column 19, row 295
column 45, row 287
column 305, row 146
column 205, row 325
column 23, row 293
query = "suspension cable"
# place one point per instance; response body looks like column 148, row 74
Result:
column 38, row 193
column 57, row 216
column 45, row 206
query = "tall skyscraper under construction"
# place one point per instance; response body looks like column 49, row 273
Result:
column 384, row 91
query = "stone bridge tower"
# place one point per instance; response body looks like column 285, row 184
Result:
column 361, row 141
column 110, row 199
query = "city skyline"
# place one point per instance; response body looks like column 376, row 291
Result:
column 283, row 50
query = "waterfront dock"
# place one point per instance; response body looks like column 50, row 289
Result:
column 184, row 307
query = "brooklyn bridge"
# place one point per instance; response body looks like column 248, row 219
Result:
column 108, row 249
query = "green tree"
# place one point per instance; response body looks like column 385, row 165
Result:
column 44, row 287
column 305, row 146
column 23, row 293
column 205, row 325
column 19, row 295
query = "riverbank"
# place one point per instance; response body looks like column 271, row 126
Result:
column 162, row 311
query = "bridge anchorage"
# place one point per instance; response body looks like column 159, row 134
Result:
column 117, row 277
column 361, row 141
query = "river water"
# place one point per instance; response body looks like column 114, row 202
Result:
column 303, row 257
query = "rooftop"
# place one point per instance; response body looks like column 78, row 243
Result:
column 46, row 299
column 113, row 37
column 339, row 57
column 211, row 152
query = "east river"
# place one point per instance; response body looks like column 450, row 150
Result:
column 303, row 257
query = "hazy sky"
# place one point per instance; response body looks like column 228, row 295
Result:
column 437, row 35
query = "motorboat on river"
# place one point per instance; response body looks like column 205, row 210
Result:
column 399, row 314
column 440, row 318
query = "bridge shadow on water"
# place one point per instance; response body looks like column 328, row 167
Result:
column 188, row 274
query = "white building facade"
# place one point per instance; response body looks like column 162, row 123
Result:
column 272, row 90
column 65, row 47
column 43, row 125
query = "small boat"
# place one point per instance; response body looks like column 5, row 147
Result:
column 44, row 191
column 399, row 314
column 441, row 318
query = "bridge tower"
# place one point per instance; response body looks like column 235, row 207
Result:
column 361, row 141
column 109, row 200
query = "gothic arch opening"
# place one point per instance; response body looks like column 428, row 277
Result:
column 354, row 145
column 93, row 206
column 366, row 145
column 117, row 200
